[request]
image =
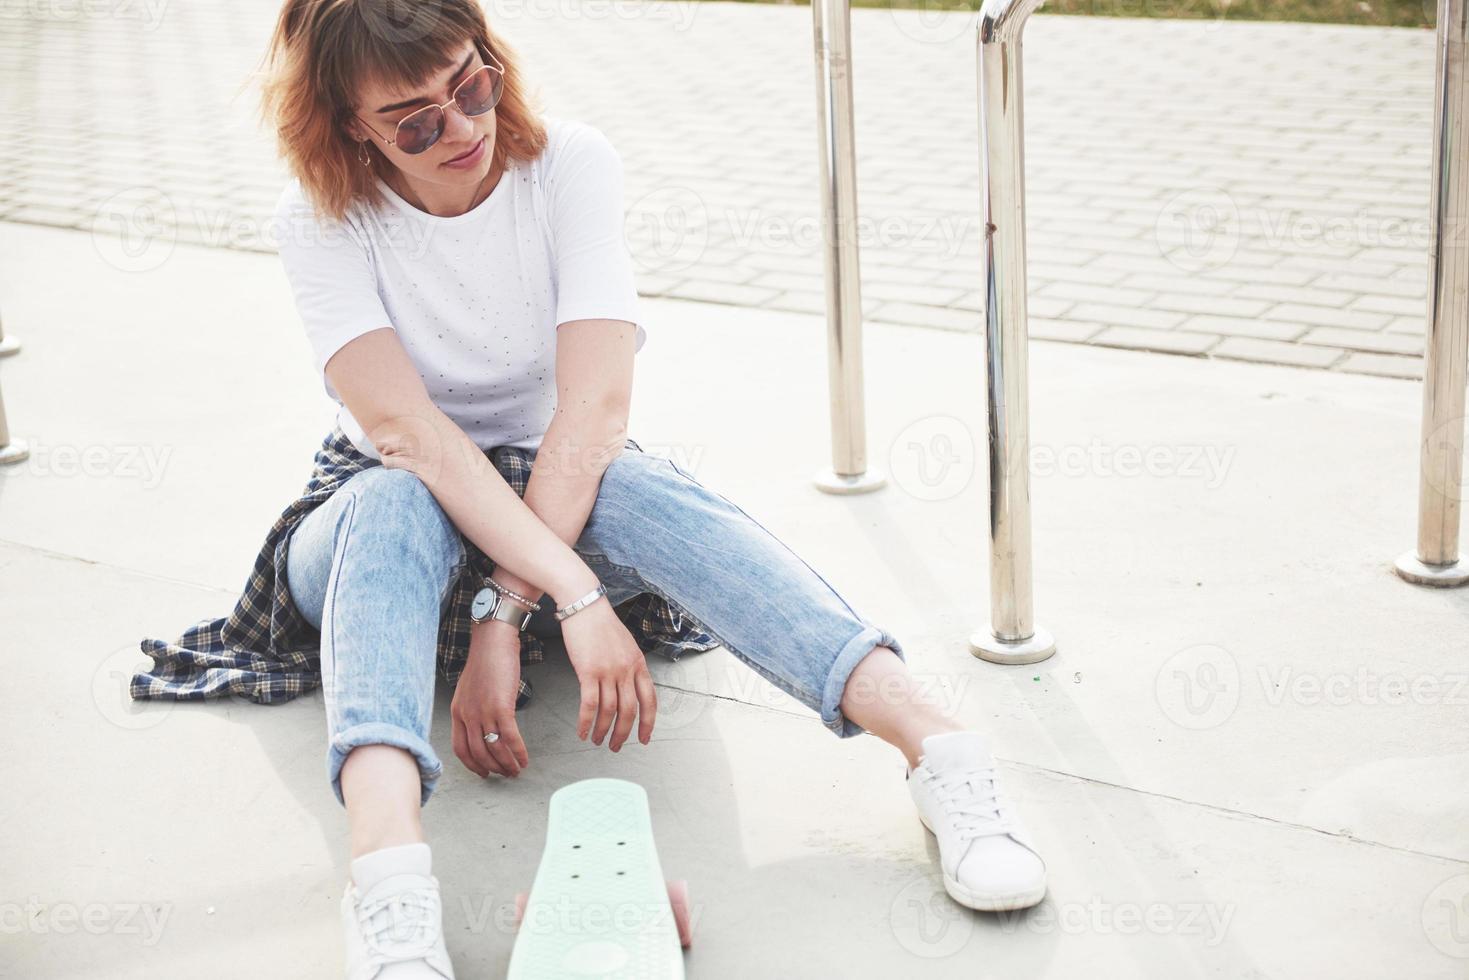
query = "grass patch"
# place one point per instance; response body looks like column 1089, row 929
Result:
column 1375, row 13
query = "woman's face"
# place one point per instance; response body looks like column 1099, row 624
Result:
column 463, row 153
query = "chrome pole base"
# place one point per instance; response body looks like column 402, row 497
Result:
column 14, row 452
column 986, row 645
column 830, row 481
column 1413, row 569
column 9, row 345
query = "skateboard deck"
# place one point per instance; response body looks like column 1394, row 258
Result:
column 599, row 906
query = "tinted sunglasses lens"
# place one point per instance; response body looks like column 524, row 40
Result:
column 421, row 130
column 480, row 91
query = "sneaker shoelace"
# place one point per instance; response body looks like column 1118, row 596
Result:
column 400, row 926
column 971, row 798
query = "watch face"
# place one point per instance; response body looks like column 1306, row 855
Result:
column 484, row 601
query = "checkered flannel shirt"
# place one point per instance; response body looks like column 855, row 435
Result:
column 266, row 651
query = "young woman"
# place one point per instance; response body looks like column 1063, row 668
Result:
column 459, row 265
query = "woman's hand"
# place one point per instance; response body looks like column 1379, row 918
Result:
column 484, row 701
column 615, row 683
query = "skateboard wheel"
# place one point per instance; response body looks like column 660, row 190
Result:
column 678, row 898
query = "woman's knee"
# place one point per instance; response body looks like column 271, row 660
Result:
column 397, row 507
column 640, row 481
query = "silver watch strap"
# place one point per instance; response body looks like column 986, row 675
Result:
column 507, row 611
column 501, row 608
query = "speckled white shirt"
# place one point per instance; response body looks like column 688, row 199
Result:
column 475, row 298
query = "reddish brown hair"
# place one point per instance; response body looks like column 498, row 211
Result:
column 322, row 49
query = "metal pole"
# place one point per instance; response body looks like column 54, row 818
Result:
column 832, row 31
column 1441, row 478
column 1012, row 636
column 10, row 451
column 8, row 345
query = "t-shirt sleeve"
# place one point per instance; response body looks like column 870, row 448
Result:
column 330, row 270
column 594, row 272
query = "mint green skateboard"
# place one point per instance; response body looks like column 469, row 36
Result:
column 599, row 906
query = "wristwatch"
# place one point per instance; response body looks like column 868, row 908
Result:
column 490, row 604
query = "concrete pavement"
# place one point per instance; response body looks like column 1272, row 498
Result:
column 1248, row 757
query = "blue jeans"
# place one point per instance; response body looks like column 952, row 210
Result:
column 373, row 568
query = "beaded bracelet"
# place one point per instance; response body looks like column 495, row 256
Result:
column 511, row 594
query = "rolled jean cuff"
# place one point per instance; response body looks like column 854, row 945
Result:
column 382, row 733
column 857, row 648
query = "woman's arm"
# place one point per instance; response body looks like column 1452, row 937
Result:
column 382, row 389
column 594, row 369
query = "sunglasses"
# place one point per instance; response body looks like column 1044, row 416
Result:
column 476, row 95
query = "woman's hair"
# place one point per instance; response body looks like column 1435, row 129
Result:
column 322, row 49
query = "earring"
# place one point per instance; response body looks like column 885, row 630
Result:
column 363, row 157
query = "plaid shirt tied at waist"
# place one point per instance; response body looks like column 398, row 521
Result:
column 267, row 652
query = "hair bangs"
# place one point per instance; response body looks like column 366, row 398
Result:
column 322, row 51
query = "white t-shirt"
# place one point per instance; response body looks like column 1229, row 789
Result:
column 475, row 298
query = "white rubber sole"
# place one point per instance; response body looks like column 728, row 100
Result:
column 988, row 902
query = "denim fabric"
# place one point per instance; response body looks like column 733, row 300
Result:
column 372, row 569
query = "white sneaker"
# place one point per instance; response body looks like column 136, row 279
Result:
column 985, row 854
column 395, row 931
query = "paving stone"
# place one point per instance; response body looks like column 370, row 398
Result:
column 1276, row 352
column 1327, row 136
column 1385, row 365
column 1364, row 340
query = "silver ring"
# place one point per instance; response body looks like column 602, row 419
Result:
column 492, row 737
